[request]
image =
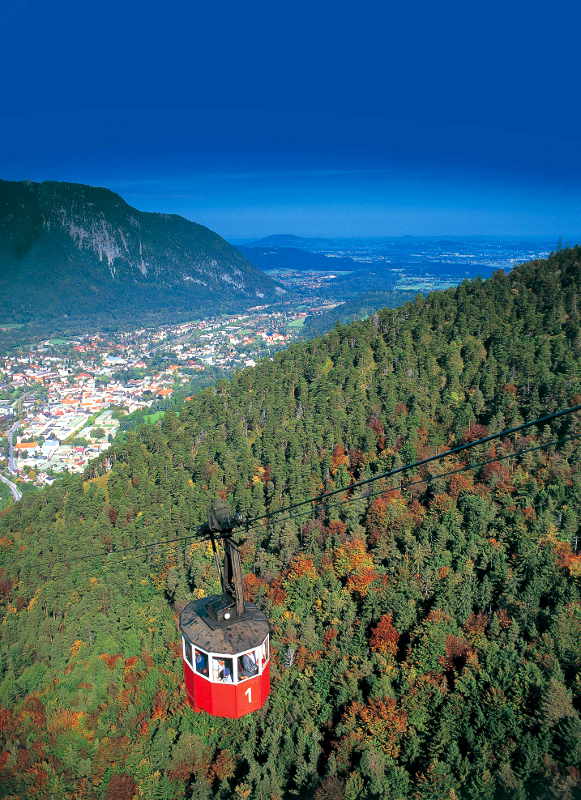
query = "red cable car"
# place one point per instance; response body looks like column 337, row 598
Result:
column 225, row 642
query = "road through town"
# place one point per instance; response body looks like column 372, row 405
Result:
column 14, row 490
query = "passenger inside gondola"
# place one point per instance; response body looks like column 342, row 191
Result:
column 201, row 663
column 223, row 670
column 247, row 666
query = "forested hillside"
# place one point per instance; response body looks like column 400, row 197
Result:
column 425, row 642
column 358, row 308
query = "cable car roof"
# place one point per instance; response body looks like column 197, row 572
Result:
column 198, row 624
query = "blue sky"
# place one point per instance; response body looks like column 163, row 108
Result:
column 331, row 119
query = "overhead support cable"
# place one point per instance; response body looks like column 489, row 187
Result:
column 113, row 556
column 430, row 478
column 458, row 449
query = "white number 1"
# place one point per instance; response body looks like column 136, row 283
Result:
column 248, row 694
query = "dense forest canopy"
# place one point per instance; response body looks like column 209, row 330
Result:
column 425, row 642
column 359, row 307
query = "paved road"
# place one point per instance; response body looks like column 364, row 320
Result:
column 14, row 490
column 10, row 434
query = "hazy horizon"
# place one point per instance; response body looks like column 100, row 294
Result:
column 254, row 121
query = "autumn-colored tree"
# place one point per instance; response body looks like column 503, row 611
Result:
column 121, row 787
column 384, row 637
column 379, row 723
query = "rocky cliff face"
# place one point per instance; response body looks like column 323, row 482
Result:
column 73, row 249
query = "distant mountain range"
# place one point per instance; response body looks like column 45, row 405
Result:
column 72, row 250
column 272, row 257
column 289, row 240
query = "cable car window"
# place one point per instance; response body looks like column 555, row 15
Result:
column 247, row 665
column 261, row 656
column 264, row 654
column 188, row 651
column 267, row 648
column 202, row 663
column 222, row 669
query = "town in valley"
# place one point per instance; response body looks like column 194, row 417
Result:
column 64, row 399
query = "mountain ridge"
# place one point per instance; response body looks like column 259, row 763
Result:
column 72, row 249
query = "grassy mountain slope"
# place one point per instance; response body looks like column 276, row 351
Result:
column 430, row 633
column 74, row 250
